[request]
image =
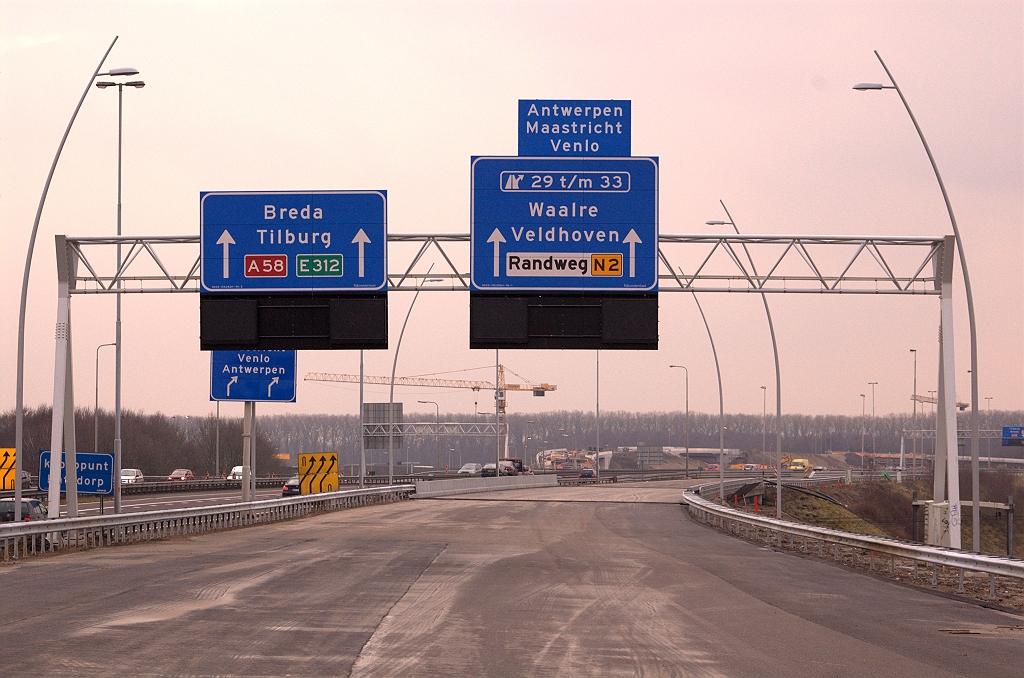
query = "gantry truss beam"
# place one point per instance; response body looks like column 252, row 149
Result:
column 961, row 434
column 816, row 264
column 444, row 428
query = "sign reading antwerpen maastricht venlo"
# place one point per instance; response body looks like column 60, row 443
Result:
column 560, row 127
column 576, row 225
column 293, row 241
column 258, row 376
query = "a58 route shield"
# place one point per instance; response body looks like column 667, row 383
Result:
column 579, row 225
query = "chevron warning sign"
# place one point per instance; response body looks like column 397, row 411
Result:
column 318, row 472
column 7, row 473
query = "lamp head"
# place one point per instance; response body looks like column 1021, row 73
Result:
column 716, row 222
column 124, row 71
column 104, row 85
column 137, row 84
column 864, row 86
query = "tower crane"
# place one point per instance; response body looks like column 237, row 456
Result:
column 503, row 386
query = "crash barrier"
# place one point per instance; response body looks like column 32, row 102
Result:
column 829, row 542
column 426, row 489
column 32, row 537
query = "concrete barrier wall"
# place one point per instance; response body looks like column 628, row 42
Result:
column 440, row 488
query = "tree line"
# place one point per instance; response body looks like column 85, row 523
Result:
column 155, row 443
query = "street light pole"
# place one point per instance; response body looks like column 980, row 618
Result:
column 687, row 419
column 913, row 454
column 437, row 424
column 975, row 464
column 873, row 450
column 988, row 401
column 19, row 393
column 778, row 368
column 138, row 84
column 863, row 402
column 764, row 418
column 96, row 408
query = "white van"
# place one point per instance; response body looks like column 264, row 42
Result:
column 236, row 473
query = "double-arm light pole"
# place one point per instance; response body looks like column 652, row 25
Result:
column 137, row 84
column 975, row 465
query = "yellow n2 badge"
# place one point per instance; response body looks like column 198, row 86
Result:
column 606, row 264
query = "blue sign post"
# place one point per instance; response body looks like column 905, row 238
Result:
column 577, row 225
column 257, row 376
column 311, row 241
column 573, row 127
column 94, row 472
column 1013, row 436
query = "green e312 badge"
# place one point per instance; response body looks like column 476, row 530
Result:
column 319, row 265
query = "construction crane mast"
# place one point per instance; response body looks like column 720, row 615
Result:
column 503, row 386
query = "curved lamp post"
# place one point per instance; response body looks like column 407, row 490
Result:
column 686, row 372
column 778, row 370
column 975, row 465
column 19, row 398
column 391, row 397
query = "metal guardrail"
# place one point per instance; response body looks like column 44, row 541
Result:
column 733, row 520
column 23, row 539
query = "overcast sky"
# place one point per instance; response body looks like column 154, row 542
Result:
column 747, row 102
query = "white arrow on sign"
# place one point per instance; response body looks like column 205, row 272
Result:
column 497, row 239
column 233, row 380
column 362, row 239
column 273, row 381
column 632, row 238
column 225, row 239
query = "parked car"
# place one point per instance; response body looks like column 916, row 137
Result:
column 182, row 474
column 291, row 487
column 31, row 509
column 588, row 475
column 236, row 473
column 130, row 476
column 470, row 470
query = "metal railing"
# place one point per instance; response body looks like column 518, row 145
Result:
column 742, row 524
column 23, row 539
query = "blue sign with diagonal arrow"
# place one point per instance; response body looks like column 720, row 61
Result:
column 568, row 225
column 259, row 376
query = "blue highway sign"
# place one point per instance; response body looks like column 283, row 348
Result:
column 1013, row 436
column 265, row 376
column 311, row 241
column 571, row 127
column 576, row 225
column 94, row 471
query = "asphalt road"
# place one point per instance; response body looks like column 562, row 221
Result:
column 611, row 580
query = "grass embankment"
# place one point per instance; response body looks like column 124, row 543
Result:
column 885, row 508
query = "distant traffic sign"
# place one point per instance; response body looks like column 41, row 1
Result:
column 1013, row 436
column 7, row 471
column 580, row 225
column 94, row 472
column 318, row 472
column 252, row 375
column 311, row 241
column 566, row 128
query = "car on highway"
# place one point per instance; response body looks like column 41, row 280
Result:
column 130, row 476
column 31, row 509
column 291, row 487
column 181, row 474
column 714, row 467
column 470, row 470
column 588, row 475
column 236, row 473
column 507, row 469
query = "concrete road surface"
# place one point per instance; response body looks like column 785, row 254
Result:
column 611, row 580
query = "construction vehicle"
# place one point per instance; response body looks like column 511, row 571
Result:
column 503, row 387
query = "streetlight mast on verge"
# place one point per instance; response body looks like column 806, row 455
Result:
column 975, row 464
column 686, row 372
column 138, row 84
